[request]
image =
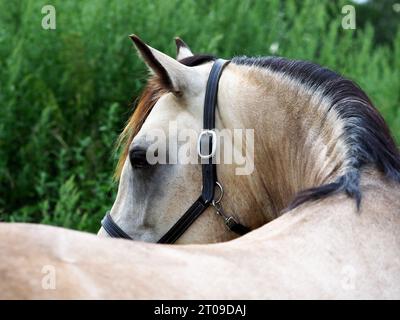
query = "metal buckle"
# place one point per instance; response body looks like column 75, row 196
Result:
column 213, row 143
column 230, row 222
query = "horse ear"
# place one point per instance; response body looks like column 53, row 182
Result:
column 174, row 76
column 182, row 49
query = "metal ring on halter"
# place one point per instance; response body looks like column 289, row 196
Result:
column 221, row 194
column 213, row 144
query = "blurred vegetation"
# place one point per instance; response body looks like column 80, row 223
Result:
column 66, row 93
column 383, row 14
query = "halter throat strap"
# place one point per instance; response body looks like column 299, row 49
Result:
column 206, row 148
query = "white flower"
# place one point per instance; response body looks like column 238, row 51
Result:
column 273, row 48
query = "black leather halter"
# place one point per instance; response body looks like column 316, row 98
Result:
column 206, row 141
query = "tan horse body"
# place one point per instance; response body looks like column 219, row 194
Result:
column 318, row 249
column 321, row 250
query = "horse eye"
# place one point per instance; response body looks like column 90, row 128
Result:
column 137, row 157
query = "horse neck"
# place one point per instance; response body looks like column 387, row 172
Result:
column 336, row 220
column 297, row 143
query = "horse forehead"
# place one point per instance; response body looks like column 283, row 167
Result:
column 168, row 108
column 185, row 109
column 169, row 116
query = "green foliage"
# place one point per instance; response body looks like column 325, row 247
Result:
column 66, row 93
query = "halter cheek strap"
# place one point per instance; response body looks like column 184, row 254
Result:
column 206, row 147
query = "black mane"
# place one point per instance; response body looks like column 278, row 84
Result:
column 366, row 133
column 197, row 59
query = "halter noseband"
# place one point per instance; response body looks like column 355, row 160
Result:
column 206, row 141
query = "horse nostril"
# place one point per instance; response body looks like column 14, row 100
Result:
column 137, row 157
